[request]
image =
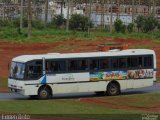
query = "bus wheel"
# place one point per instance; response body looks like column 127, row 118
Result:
column 44, row 93
column 113, row 89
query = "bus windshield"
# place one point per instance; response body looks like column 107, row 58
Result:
column 17, row 70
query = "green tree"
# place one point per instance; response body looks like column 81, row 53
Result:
column 150, row 23
column 78, row 22
column 130, row 27
column 158, row 26
column 140, row 22
column 58, row 20
column 146, row 24
column 119, row 26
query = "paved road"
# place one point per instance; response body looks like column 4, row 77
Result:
column 152, row 89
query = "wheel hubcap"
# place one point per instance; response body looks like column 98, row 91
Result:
column 113, row 89
column 44, row 93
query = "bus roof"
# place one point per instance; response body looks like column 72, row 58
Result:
column 26, row 58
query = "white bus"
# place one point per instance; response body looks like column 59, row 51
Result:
column 101, row 72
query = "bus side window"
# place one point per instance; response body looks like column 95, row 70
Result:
column 140, row 62
column 49, row 66
column 148, row 62
column 104, row 63
column 132, row 62
column 62, row 66
column 55, row 66
column 118, row 63
column 94, row 64
column 82, row 65
column 122, row 63
column 135, row 62
column 33, row 69
column 72, row 65
column 30, row 71
column 114, row 62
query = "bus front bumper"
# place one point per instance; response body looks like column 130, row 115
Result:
column 19, row 91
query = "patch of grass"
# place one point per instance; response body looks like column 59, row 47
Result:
column 75, row 109
column 52, row 34
column 56, row 107
column 157, row 41
column 135, row 35
column 142, row 100
column 146, row 100
column 66, row 47
column 43, row 35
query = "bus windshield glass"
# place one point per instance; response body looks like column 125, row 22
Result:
column 17, row 70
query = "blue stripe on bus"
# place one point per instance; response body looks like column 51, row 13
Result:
column 44, row 80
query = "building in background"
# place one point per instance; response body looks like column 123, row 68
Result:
column 100, row 11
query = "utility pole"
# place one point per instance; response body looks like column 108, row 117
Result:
column 71, row 7
column 3, row 13
column 154, row 4
column 89, row 15
column 118, row 9
column 111, row 16
column 133, row 10
column 107, row 8
column 67, row 24
column 149, row 7
column 46, row 13
column 104, row 2
column 29, row 19
column 102, row 14
column 62, row 2
column 21, row 15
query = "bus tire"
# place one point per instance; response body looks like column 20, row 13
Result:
column 113, row 89
column 44, row 93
